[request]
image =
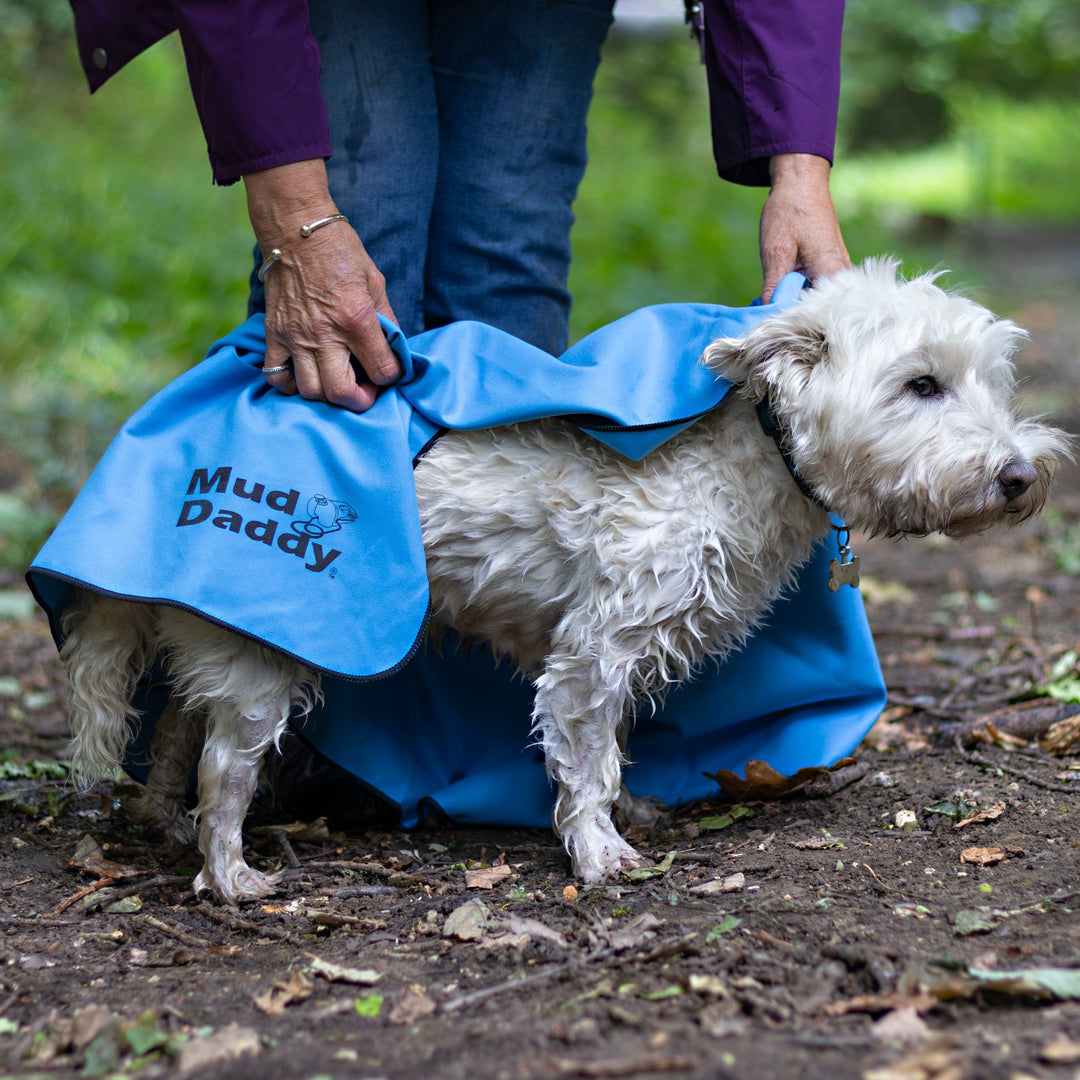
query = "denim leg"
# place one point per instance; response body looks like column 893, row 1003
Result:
column 459, row 143
column 380, row 96
column 514, row 82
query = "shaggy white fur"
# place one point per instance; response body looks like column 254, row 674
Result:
column 605, row 580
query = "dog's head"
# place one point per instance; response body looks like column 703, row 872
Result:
column 896, row 399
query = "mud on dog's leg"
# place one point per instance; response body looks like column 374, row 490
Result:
column 228, row 771
column 174, row 752
column 577, row 722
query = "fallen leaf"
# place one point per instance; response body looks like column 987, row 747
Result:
column 632, row 934
column 337, row 973
column 711, row 985
column 369, row 1005
column 987, row 813
column 284, row 992
column 938, row 1062
column 732, row 883
column 975, row 921
column 1062, row 984
column 1062, row 737
column 903, row 1025
column 724, row 821
column 644, row 873
column 817, row 843
column 881, row 1003
column 764, row 782
column 518, row 924
column 1061, row 1051
column 228, row 1044
column 982, row 856
column 300, row 832
column 725, row 926
column 90, row 859
column 413, row 1005
column 468, row 922
column 486, row 878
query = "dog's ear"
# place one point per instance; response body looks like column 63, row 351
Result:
column 778, row 351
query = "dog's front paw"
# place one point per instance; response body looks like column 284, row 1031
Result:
column 236, row 884
column 600, row 854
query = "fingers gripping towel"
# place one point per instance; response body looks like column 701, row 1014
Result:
column 295, row 523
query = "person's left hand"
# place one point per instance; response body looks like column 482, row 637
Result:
column 799, row 229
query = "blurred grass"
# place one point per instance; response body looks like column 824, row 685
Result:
column 121, row 263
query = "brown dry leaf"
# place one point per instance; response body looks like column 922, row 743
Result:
column 937, row 1062
column 90, row 859
column 467, row 922
column 486, row 878
column 284, row 992
column 987, row 813
column 1062, row 737
column 300, row 832
column 764, row 782
column 1061, row 1051
column 992, row 735
column 413, row 1005
column 889, row 731
column 982, row 856
column 903, row 1025
column 228, row 1044
column 881, row 1003
column 625, row 1066
column 731, row 883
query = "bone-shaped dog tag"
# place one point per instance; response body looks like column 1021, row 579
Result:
column 844, row 573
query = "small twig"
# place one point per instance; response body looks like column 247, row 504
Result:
column 377, row 869
column 1037, row 781
column 176, row 932
column 366, row 890
column 237, row 922
column 464, row 1001
column 152, row 883
column 290, row 856
column 101, row 883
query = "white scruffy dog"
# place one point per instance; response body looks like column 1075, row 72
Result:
column 606, row 579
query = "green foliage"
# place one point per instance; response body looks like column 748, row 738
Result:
column 654, row 222
column 905, row 64
column 120, row 264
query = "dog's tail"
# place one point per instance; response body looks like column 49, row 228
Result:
column 108, row 646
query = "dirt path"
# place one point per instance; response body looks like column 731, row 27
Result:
column 816, row 935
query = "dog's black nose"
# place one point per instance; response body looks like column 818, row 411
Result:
column 1015, row 478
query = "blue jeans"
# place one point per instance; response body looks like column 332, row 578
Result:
column 459, row 143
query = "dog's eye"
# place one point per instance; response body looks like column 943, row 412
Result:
column 925, row 386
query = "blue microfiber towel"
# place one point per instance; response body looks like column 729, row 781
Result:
column 295, row 523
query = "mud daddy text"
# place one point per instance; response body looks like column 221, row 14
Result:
column 292, row 537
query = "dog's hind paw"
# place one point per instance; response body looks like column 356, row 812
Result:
column 171, row 821
column 237, row 884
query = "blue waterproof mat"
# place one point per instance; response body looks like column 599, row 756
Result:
column 295, row 523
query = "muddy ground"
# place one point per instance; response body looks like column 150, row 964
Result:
column 910, row 917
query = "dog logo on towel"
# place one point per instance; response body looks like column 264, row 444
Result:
column 324, row 516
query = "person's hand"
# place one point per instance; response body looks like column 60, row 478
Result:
column 323, row 295
column 799, row 230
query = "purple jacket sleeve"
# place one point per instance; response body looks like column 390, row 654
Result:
column 253, row 67
column 774, row 81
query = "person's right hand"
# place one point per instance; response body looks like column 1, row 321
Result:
column 323, row 296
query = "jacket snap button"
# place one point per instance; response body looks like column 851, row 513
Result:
column 100, row 58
